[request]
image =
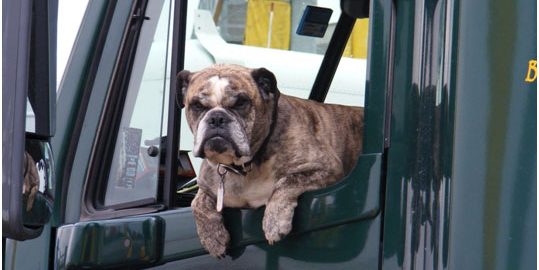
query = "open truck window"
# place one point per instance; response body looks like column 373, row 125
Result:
column 130, row 153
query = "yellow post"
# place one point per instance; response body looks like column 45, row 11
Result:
column 259, row 32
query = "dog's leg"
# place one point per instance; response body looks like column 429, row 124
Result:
column 210, row 228
column 277, row 222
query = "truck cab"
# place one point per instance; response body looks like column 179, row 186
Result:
column 446, row 178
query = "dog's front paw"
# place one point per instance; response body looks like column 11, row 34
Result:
column 215, row 239
column 277, row 222
column 210, row 228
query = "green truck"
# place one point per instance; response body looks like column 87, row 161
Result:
column 100, row 174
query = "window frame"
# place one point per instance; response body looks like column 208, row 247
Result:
column 112, row 113
column 108, row 128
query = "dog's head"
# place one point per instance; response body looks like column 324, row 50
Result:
column 229, row 109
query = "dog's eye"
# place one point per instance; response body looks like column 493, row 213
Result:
column 197, row 106
column 241, row 103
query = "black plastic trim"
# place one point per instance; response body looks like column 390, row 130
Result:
column 387, row 128
column 332, row 58
column 173, row 129
column 389, row 92
column 356, row 8
column 42, row 86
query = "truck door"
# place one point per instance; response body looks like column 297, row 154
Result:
column 122, row 145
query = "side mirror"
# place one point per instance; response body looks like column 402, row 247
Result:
column 29, row 73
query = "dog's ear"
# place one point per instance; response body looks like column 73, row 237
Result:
column 266, row 82
column 182, row 82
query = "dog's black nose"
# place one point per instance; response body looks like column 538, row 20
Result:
column 218, row 120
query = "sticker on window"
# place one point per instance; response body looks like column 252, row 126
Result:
column 129, row 155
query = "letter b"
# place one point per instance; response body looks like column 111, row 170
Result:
column 532, row 71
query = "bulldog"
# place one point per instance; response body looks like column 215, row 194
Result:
column 261, row 147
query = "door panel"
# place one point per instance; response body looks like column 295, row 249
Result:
column 355, row 199
column 346, row 246
column 121, row 243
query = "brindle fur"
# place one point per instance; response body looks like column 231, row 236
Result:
column 313, row 145
column 30, row 183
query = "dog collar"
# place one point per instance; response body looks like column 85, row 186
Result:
column 222, row 169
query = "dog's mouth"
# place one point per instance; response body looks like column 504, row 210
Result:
column 219, row 144
column 224, row 143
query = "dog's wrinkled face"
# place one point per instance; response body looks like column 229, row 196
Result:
column 228, row 109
